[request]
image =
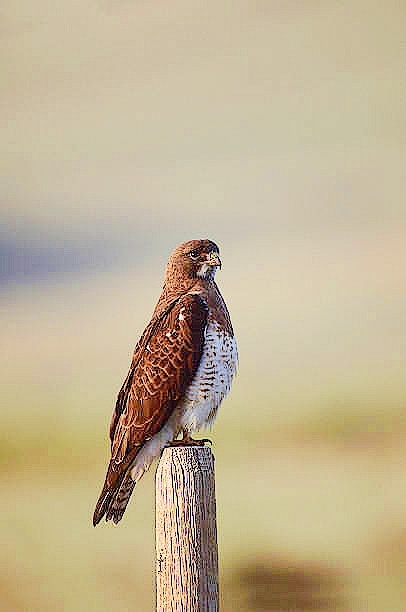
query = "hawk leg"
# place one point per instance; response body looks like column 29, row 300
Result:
column 187, row 440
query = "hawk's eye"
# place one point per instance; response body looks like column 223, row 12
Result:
column 194, row 254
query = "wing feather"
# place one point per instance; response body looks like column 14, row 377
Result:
column 164, row 363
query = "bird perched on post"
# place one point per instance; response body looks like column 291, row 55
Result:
column 181, row 370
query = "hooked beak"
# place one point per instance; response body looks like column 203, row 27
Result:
column 214, row 260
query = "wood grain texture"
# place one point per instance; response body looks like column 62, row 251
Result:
column 186, row 532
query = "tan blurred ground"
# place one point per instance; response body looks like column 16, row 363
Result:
column 277, row 129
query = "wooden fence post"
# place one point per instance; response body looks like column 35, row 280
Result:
column 186, row 532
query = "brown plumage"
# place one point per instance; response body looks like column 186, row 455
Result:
column 181, row 369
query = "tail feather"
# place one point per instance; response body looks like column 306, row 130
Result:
column 119, row 483
column 120, row 499
column 110, row 491
column 103, row 504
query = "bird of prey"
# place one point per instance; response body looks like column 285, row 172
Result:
column 181, row 370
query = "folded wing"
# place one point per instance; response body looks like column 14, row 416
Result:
column 163, row 365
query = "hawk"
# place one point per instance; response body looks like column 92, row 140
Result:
column 181, row 370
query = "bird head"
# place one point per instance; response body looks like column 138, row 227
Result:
column 194, row 259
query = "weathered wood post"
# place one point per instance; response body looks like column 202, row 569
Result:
column 186, row 532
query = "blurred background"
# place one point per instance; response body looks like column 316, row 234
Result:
column 277, row 129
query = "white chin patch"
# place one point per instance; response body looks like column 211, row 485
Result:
column 206, row 271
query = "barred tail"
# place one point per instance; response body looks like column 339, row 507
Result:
column 115, row 494
column 102, row 505
column 120, row 500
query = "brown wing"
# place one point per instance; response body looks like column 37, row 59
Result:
column 164, row 363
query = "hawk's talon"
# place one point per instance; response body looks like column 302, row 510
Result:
column 189, row 441
column 204, row 440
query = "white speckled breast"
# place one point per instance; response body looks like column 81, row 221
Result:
column 212, row 381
